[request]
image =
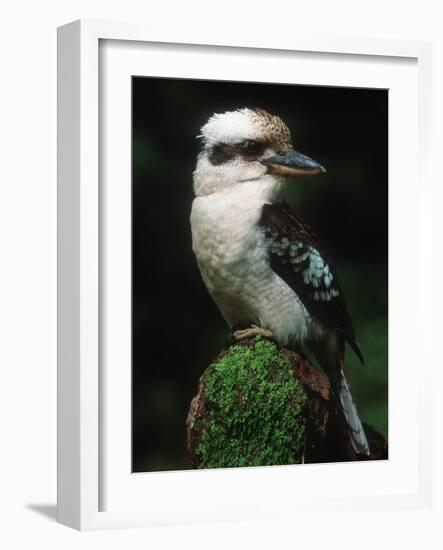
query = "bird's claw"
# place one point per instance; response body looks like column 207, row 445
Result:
column 253, row 330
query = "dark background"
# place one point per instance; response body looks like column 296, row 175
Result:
column 177, row 329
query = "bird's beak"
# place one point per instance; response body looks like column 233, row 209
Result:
column 292, row 164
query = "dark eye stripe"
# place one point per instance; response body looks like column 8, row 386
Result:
column 253, row 147
column 223, row 152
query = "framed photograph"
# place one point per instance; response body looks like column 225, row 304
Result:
column 242, row 229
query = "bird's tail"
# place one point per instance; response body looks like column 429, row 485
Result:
column 356, row 431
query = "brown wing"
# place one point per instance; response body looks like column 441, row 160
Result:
column 300, row 260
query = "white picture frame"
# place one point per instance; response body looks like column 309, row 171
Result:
column 82, row 437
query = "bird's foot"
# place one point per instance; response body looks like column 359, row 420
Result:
column 253, row 330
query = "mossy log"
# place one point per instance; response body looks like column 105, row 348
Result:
column 260, row 405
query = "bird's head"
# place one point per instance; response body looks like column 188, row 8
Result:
column 247, row 145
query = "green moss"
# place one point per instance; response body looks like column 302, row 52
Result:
column 254, row 409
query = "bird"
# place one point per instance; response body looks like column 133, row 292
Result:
column 266, row 270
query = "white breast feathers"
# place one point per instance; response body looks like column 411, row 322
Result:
column 234, row 262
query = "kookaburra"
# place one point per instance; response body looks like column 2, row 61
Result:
column 264, row 268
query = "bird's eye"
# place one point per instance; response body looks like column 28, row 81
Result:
column 252, row 147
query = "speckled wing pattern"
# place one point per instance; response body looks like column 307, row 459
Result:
column 299, row 259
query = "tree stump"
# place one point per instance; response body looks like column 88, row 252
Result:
column 261, row 405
